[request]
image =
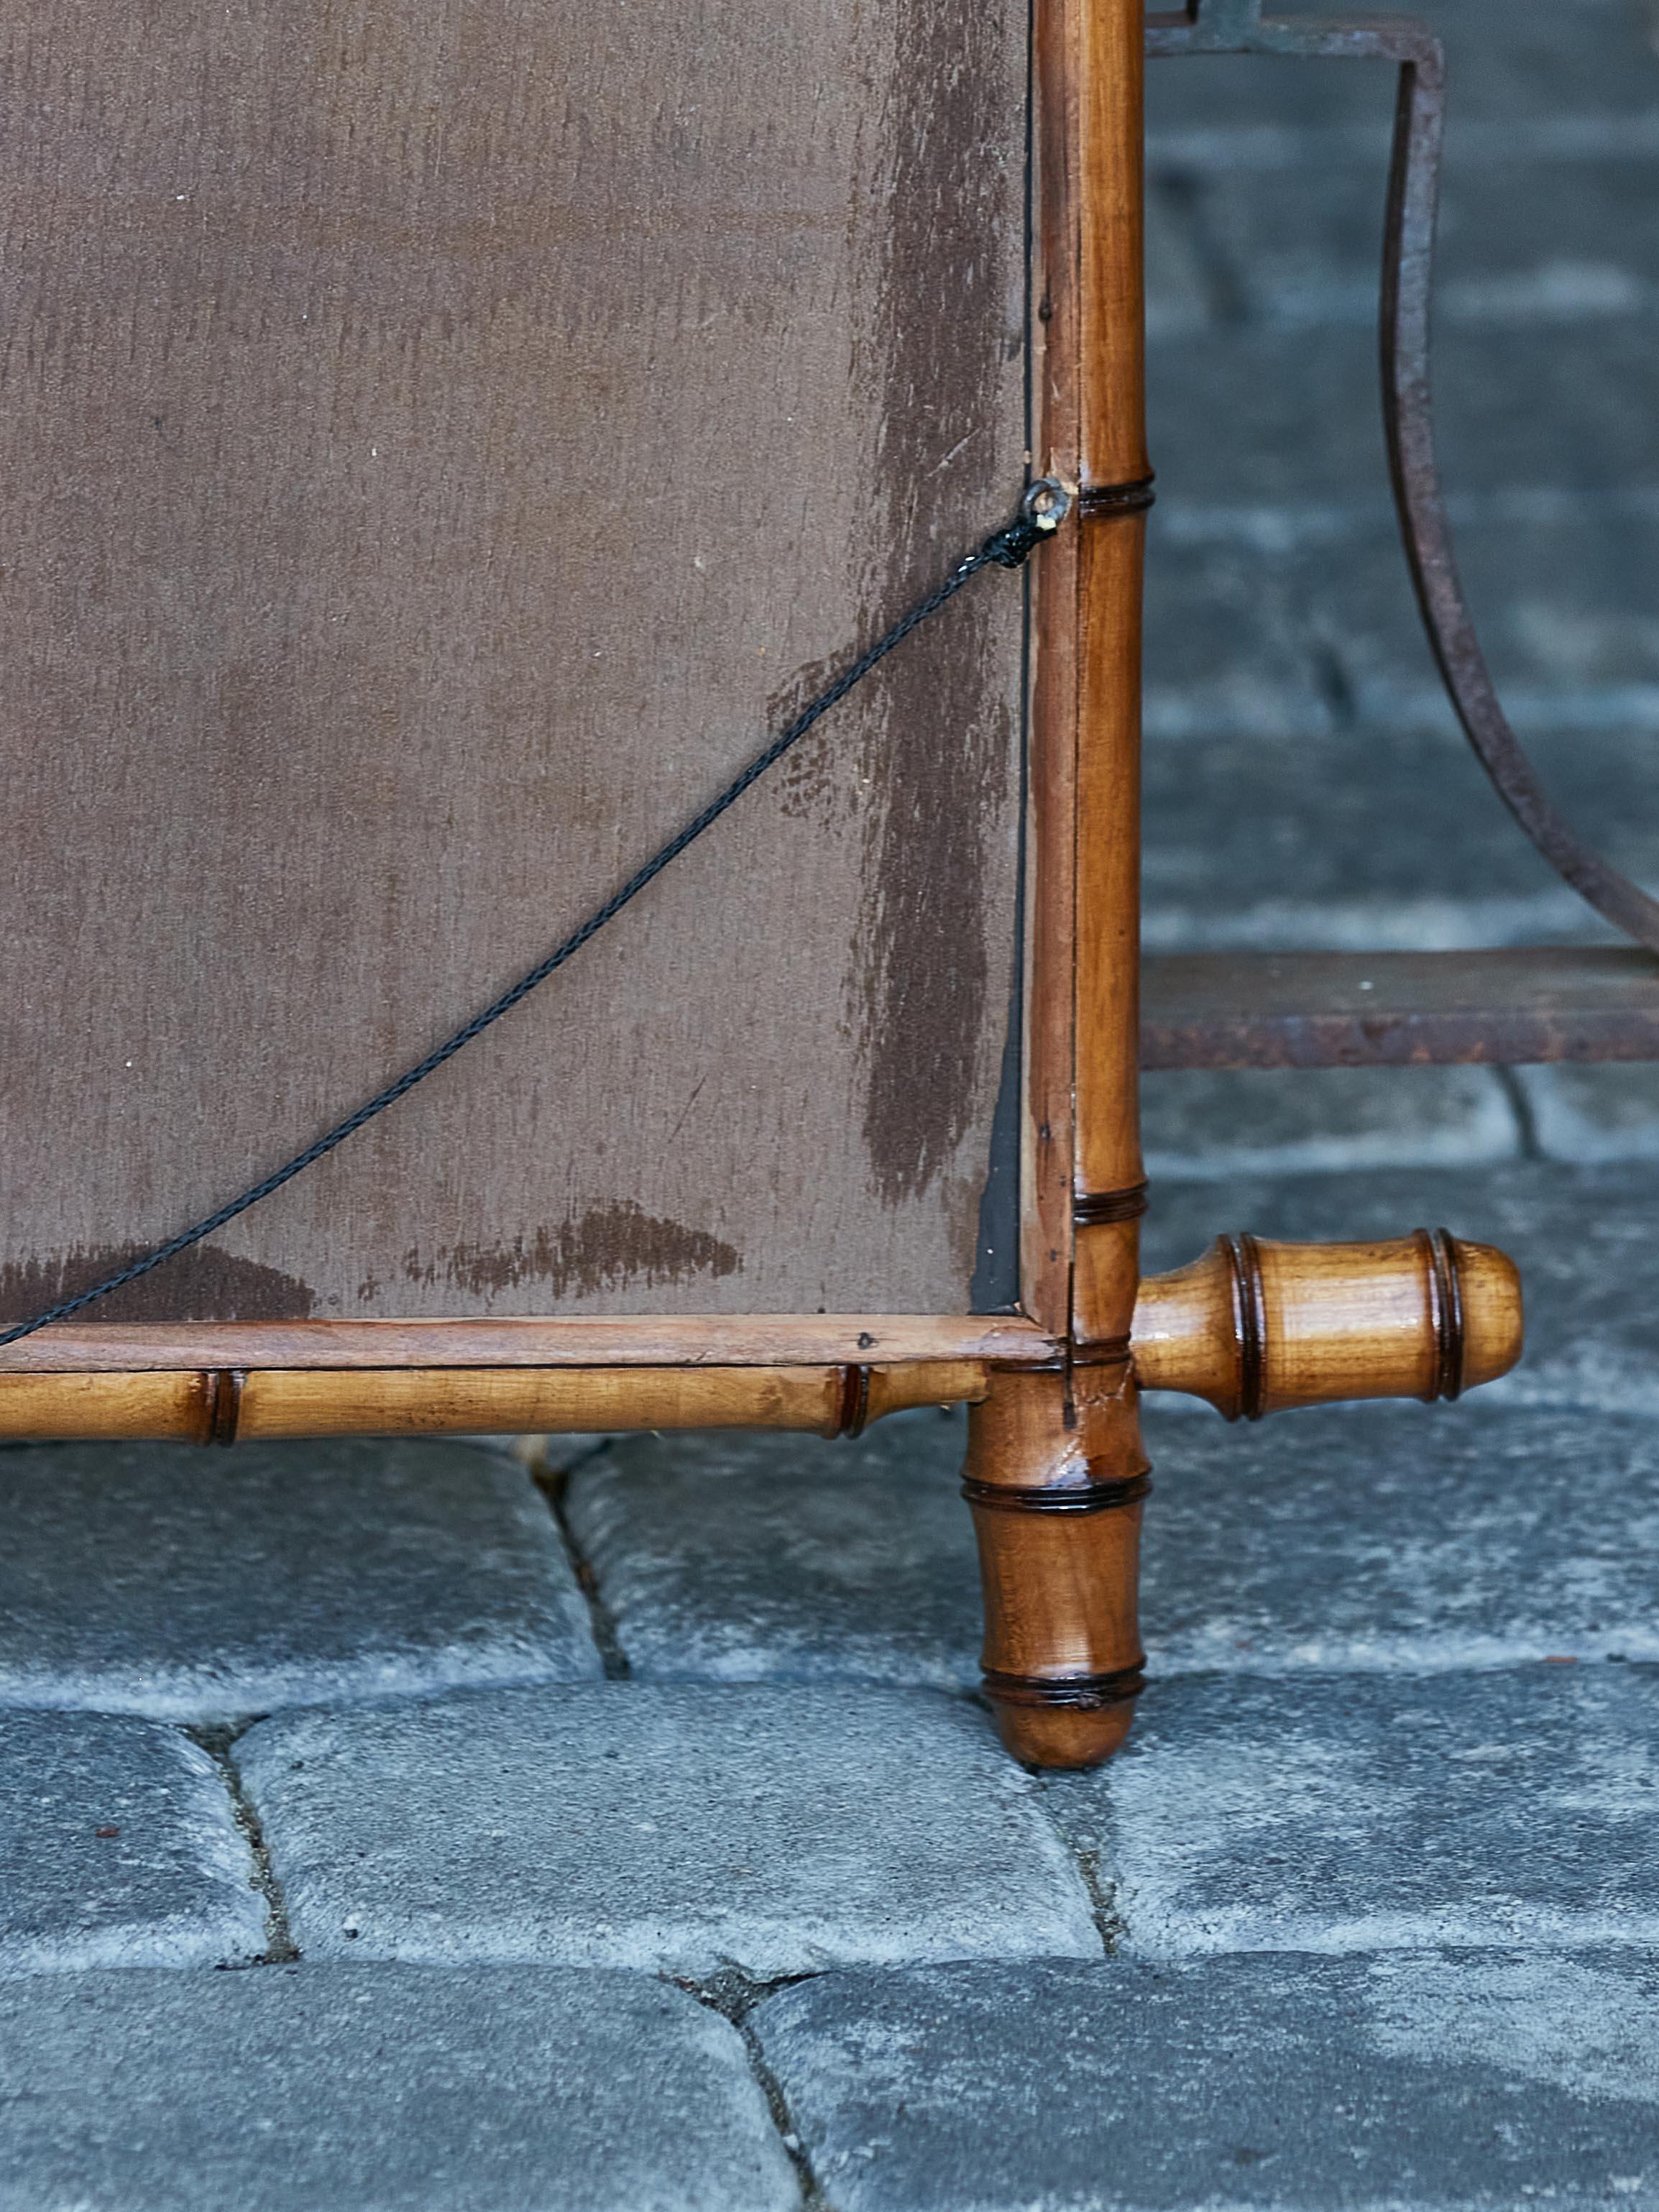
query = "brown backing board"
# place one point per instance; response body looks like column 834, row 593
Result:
column 435, row 444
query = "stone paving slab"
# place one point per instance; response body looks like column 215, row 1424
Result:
column 1586, row 1241
column 1229, row 648
column 1562, row 590
column 318, row 2088
column 1214, row 1124
column 1372, row 1537
column 1234, row 822
column 1268, row 416
column 1374, row 840
column 1178, row 287
column 1593, row 1114
column 119, row 1847
column 740, row 1557
column 1197, row 106
column 1476, row 2080
column 1586, row 250
column 1399, row 1537
column 1366, row 1812
column 1565, row 602
column 681, row 1830
column 201, row 1585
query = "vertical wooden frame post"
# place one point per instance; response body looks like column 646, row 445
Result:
column 1115, row 489
column 1055, row 1471
column 1084, row 1188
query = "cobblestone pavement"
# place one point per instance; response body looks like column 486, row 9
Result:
column 616, row 1829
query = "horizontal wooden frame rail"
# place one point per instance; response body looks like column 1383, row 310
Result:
column 1422, row 1316
column 620, row 1340
column 227, row 1405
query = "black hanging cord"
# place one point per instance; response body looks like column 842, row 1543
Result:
column 1042, row 511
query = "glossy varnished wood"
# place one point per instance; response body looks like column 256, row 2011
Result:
column 641, row 1341
column 513, row 1402
column 1083, row 907
column 1056, row 339
column 107, row 1408
column 1109, row 1152
column 1054, row 1467
column 1054, row 1477
column 232, row 1405
column 1256, row 1326
column 1107, row 1160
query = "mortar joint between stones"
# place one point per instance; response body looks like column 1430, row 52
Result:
column 734, row 1994
column 216, row 1740
column 554, row 1485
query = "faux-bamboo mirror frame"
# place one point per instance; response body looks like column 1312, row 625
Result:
column 440, row 457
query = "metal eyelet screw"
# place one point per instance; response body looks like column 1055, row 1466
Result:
column 1047, row 503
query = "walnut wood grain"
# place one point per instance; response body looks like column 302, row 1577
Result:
column 1256, row 1327
column 1055, row 1478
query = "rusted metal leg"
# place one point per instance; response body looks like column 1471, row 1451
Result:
column 1055, row 1476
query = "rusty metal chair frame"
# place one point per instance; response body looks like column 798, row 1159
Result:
column 1618, row 995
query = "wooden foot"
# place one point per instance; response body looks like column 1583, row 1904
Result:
column 1055, row 1476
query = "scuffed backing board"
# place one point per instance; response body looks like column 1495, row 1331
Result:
column 438, row 442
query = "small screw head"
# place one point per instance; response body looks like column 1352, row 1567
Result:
column 1047, row 503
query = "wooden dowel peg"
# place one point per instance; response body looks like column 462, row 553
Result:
column 1256, row 1326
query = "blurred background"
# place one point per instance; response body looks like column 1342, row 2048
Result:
column 1307, row 784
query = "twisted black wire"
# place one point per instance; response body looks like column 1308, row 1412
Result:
column 1041, row 510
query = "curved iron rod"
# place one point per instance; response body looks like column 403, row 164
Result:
column 1238, row 26
column 1408, row 422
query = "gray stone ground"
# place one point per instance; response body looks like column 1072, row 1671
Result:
column 213, row 1589
column 689, row 1830
column 508, row 2088
column 626, row 1835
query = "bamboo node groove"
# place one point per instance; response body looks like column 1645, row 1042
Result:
column 855, row 1402
column 1097, row 1208
column 1081, row 1693
column 1099, row 1497
column 223, row 1400
column 226, row 1406
column 1130, row 498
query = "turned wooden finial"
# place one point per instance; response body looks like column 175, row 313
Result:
column 1256, row 1326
